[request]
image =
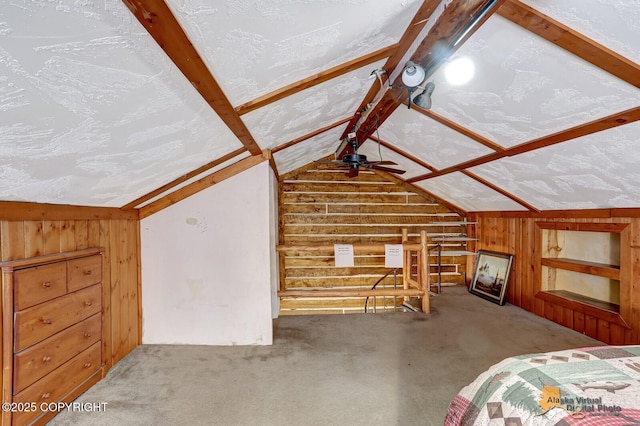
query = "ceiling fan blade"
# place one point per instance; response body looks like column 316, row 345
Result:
column 383, row 163
column 353, row 172
column 389, row 169
column 328, row 162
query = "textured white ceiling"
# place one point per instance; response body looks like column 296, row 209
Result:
column 612, row 23
column 310, row 109
column 92, row 111
column 468, row 193
column 525, row 87
column 298, row 155
column 595, row 171
column 432, row 142
column 255, row 47
column 376, row 152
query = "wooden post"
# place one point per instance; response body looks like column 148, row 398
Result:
column 406, row 263
column 423, row 263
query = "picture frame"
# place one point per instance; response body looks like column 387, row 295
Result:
column 491, row 276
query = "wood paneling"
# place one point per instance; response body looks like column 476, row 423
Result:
column 517, row 235
column 321, row 206
column 48, row 230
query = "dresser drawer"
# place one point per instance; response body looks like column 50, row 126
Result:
column 39, row 284
column 55, row 385
column 84, row 272
column 44, row 357
column 35, row 324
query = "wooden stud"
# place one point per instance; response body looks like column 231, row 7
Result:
column 424, row 272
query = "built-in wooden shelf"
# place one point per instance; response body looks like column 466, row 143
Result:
column 596, row 308
column 584, row 267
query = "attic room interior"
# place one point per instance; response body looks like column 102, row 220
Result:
column 182, row 174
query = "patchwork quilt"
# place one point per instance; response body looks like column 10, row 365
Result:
column 588, row 386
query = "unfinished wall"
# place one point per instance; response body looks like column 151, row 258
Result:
column 206, row 265
column 28, row 230
column 521, row 236
column 320, row 206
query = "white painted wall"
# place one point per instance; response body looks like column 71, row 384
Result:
column 207, row 265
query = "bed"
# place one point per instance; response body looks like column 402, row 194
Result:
column 586, row 386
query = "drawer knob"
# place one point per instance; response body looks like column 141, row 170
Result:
column 46, row 284
column 46, row 358
column 87, row 334
column 87, row 365
column 88, row 303
column 45, row 320
column 87, row 272
column 46, row 395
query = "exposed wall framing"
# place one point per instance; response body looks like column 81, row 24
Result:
column 321, row 206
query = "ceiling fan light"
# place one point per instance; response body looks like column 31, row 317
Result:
column 413, row 74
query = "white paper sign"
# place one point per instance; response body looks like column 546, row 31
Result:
column 343, row 254
column 393, row 255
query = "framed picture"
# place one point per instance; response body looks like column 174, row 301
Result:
column 491, row 276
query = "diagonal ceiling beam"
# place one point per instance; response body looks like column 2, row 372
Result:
column 166, row 187
column 403, row 153
column 462, row 130
column 457, row 22
column 309, row 135
column 158, row 20
column 315, row 80
column 413, row 30
column 500, row 190
column 201, row 184
column 466, row 172
column 618, row 119
column 570, row 40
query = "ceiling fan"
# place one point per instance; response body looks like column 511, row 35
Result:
column 353, row 161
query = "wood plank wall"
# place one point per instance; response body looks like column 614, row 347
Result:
column 28, row 230
column 320, row 206
column 517, row 235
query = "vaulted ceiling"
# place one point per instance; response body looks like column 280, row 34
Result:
column 118, row 104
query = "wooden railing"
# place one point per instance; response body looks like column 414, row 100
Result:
column 410, row 287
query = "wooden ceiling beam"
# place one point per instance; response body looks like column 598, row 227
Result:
column 466, row 172
column 182, row 179
column 413, row 30
column 201, row 184
column 458, row 22
column 403, row 153
column 309, row 135
column 460, row 129
column 614, row 120
column 500, row 190
column 314, row 80
column 570, row 40
column 158, row 20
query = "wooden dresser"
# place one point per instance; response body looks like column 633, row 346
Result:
column 51, row 332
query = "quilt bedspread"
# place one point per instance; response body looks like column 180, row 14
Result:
column 586, row 386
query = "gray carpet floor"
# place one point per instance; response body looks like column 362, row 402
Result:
column 373, row 369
